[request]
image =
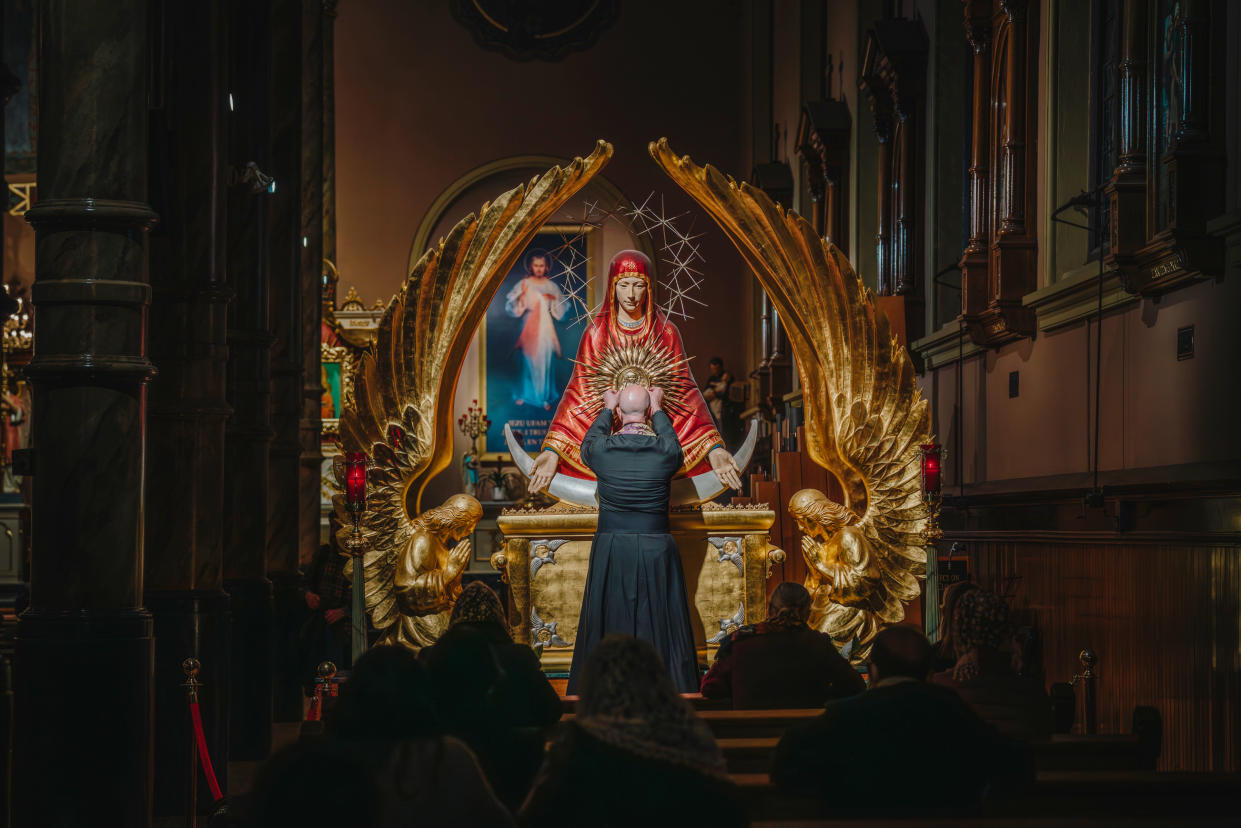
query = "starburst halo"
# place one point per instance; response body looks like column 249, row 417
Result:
column 678, row 253
column 645, row 362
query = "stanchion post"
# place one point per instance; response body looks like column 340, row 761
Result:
column 191, row 668
column 1087, row 678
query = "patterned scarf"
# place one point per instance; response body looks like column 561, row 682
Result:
column 980, row 625
column 629, row 702
column 477, row 604
column 637, row 428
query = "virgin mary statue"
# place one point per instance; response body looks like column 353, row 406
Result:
column 630, row 342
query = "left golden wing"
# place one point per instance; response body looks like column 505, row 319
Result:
column 400, row 413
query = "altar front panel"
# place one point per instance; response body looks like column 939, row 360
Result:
column 725, row 554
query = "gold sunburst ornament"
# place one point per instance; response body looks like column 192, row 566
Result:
column 645, row 362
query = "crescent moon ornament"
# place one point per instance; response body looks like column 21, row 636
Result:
column 686, row 491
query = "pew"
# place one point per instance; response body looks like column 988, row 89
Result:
column 1165, row 798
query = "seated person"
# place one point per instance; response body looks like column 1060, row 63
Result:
column 902, row 748
column 781, row 662
column 946, row 649
column 492, row 692
column 987, row 672
column 387, row 714
column 635, row 754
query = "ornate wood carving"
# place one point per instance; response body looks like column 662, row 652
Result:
column 998, row 266
column 893, row 78
column 1161, row 242
column 823, row 145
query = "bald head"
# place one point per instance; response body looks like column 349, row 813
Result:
column 634, row 403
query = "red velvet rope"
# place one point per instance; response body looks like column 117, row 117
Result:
column 203, row 755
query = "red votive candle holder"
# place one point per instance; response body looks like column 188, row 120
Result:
column 932, row 468
column 355, row 480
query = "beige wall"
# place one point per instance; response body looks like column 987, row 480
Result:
column 1155, row 410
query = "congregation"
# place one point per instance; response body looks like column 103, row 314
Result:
column 471, row 732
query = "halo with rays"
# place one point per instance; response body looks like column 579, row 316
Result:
column 646, row 362
column 678, row 253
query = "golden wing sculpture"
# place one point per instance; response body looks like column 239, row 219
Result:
column 864, row 416
column 400, row 411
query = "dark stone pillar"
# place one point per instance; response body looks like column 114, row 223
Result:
column 288, row 366
column 311, row 278
column 185, row 442
column 83, row 676
column 248, row 435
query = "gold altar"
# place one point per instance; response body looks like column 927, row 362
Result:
column 725, row 552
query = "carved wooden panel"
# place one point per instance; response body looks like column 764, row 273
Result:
column 1162, row 615
column 998, row 266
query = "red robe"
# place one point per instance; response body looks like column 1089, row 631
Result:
column 694, row 427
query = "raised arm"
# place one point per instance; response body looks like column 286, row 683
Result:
column 599, row 431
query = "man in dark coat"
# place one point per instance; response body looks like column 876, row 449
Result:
column 904, row 747
column 781, row 662
column 635, row 584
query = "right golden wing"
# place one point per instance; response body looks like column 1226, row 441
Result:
column 865, row 417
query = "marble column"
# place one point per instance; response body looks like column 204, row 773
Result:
column 313, row 22
column 248, row 435
column 187, row 409
column 287, row 366
column 84, row 652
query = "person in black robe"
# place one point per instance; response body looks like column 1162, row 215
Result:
column 635, row 584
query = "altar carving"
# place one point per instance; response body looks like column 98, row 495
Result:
column 725, row 552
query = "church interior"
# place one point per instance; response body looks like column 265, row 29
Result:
column 310, row 305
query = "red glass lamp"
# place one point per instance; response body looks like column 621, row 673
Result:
column 932, row 466
column 355, row 481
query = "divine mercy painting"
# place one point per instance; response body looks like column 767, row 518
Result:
column 531, row 333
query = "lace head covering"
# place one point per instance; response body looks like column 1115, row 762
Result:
column 477, row 604
column 981, row 627
column 628, row 701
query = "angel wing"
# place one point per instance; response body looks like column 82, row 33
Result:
column 400, row 414
column 865, row 417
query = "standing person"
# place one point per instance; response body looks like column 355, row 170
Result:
column 635, row 584
column 723, row 410
column 538, row 301
column 326, row 633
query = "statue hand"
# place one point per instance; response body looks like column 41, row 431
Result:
column 725, row 468
column 544, row 470
column 458, row 558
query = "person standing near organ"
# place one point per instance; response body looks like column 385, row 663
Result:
column 635, row 584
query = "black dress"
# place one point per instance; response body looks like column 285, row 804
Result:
column 635, row 584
